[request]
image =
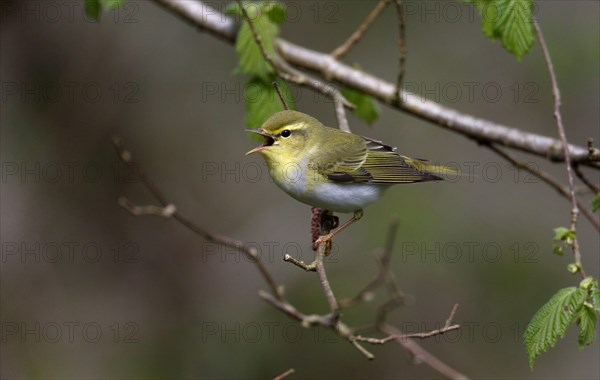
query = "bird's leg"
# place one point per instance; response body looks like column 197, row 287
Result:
column 322, row 222
column 325, row 238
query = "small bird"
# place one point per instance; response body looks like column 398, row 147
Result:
column 332, row 169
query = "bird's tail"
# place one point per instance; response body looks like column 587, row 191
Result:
column 444, row 172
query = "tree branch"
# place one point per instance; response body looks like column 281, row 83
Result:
column 214, row 22
column 421, row 355
column 590, row 185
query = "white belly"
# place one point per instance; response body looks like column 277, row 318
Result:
column 338, row 197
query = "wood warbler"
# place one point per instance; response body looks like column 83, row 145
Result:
column 331, row 169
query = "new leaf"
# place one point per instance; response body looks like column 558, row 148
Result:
column 365, row 107
column 511, row 21
column 552, row 320
column 252, row 61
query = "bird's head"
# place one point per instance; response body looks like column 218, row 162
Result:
column 288, row 137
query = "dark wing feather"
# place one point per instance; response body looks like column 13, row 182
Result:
column 388, row 167
column 355, row 159
column 384, row 166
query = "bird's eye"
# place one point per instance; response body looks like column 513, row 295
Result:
column 286, row 133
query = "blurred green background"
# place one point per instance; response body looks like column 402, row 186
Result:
column 91, row 292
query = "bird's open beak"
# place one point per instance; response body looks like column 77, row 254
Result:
column 267, row 143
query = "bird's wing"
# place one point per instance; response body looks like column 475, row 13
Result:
column 363, row 160
column 343, row 158
column 388, row 167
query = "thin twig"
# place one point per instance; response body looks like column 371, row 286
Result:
column 590, row 185
column 285, row 374
column 165, row 212
column 362, row 28
column 429, row 334
column 250, row 252
column 419, row 354
column 281, row 98
column 331, row 300
column 565, row 146
column 312, row 267
column 549, row 180
column 422, row 335
column 401, row 50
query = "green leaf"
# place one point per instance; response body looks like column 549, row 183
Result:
column 276, row 12
column 557, row 250
column 111, row 4
column 586, row 320
column 564, row 234
column 262, row 101
column 366, row 107
column 596, row 203
column 252, row 61
column 93, row 9
column 511, row 21
column 233, row 9
column 551, row 321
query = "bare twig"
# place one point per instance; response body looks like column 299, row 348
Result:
column 214, row 22
column 565, row 145
column 429, row 334
column 419, row 354
column 331, row 300
column 250, row 252
column 549, row 180
column 165, row 212
column 312, row 267
column 423, row 335
column 285, row 374
column 362, row 28
column 281, row 98
column 401, row 50
column 590, row 185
